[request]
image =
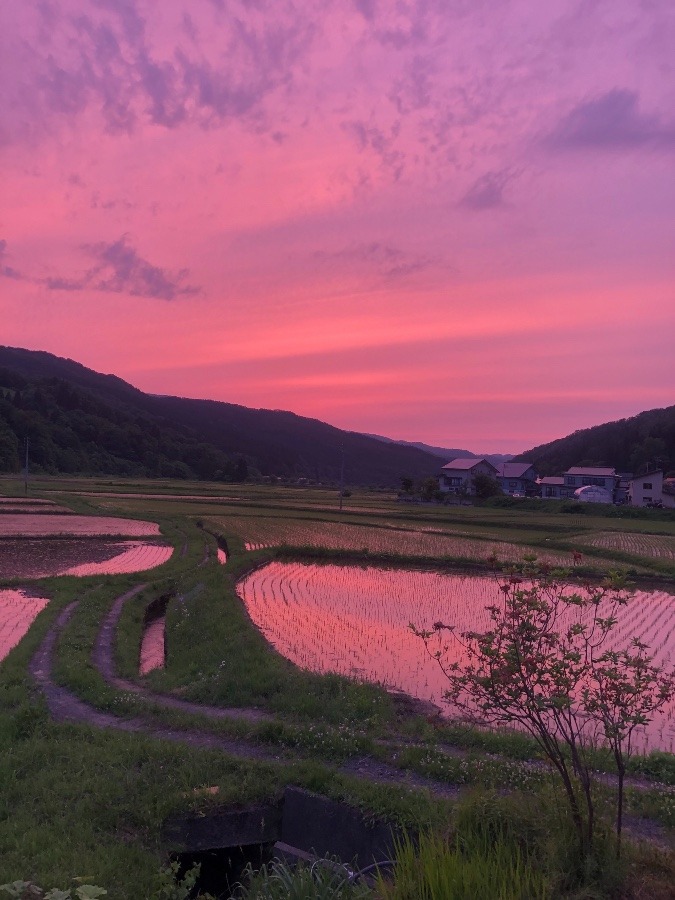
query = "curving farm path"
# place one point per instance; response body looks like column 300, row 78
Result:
column 103, row 659
column 65, row 706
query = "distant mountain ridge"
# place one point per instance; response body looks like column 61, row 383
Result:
column 81, row 421
column 446, row 453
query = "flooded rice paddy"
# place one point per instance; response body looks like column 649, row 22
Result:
column 18, row 609
column 35, row 545
column 152, row 646
column 38, row 525
column 355, row 621
column 43, row 558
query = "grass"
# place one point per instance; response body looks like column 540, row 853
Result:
column 76, row 800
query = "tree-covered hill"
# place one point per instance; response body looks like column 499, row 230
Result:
column 630, row 445
column 80, row 421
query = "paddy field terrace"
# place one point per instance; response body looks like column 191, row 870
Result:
column 96, row 757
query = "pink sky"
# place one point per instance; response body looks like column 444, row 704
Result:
column 444, row 220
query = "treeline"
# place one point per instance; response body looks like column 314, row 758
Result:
column 69, row 430
column 629, row 445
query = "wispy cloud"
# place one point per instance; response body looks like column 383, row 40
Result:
column 118, row 268
column 389, row 261
column 487, row 192
column 102, row 57
column 612, row 121
column 5, row 270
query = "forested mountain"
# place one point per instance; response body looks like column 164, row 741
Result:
column 630, row 445
column 80, row 421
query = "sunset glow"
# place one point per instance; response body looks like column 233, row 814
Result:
column 434, row 220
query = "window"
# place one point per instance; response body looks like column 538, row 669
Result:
column 647, row 486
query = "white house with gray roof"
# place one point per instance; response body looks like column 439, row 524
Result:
column 456, row 477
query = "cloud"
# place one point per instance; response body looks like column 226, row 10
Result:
column 369, row 137
column 118, row 269
column 389, row 261
column 7, row 271
column 612, row 121
column 487, row 192
column 103, row 57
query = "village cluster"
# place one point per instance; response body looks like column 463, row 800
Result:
column 594, row 484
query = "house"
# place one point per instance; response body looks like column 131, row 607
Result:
column 646, row 490
column 517, row 478
column 456, row 477
column 553, row 487
column 598, row 476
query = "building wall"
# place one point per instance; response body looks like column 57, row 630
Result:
column 577, row 481
column 646, row 489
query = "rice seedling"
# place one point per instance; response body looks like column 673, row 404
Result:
column 266, row 532
column 658, row 546
column 355, row 621
column 32, row 525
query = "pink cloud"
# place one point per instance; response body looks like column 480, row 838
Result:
column 452, row 220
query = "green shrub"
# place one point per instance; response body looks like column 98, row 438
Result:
column 326, row 879
column 482, row 870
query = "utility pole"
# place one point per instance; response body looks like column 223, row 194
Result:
column 342, row 475
column 25, row 483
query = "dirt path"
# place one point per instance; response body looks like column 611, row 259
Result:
column 64, row 706
column 103, row 659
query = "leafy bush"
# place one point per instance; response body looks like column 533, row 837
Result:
column 326, row 879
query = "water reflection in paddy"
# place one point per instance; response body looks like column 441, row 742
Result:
column 354, row 621
column 18, row 609
column 152, row 646
column 42, row 558
column 37, row 524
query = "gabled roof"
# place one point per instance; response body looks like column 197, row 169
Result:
column 465, row 465
column 646, row 475
column 513, row 469
column 601, row 471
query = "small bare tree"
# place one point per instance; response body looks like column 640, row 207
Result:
column 542, row 666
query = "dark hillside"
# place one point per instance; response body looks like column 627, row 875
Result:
column 283, row 443
column 629, row 445
column 80, row 421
